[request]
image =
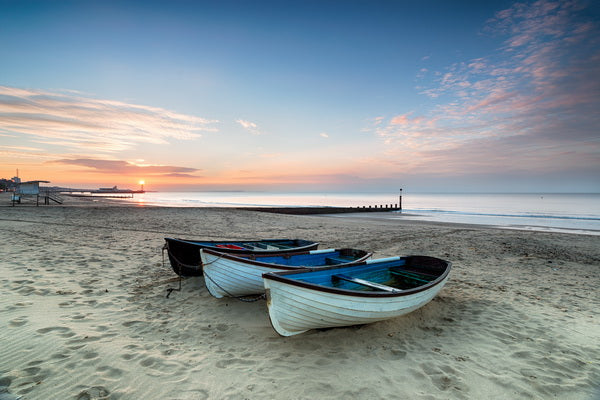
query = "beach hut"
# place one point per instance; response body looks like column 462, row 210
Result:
column 30, row 189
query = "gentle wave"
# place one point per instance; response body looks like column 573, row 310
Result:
column 524, row 215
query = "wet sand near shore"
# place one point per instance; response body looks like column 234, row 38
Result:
column 85, row 314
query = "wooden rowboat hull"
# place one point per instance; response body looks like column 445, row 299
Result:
column 229, row 275
column 295, row 307
column 184, row 254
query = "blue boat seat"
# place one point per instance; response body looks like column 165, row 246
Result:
column 280, row 246
column 363, row 282
column 335, row 260
column 415, row 276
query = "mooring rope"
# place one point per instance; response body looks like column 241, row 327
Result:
column 246, row 299
column 180, row 264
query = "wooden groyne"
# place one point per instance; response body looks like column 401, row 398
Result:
column 328, row 210
column 323, row 210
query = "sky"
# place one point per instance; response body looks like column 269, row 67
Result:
column 428, row 96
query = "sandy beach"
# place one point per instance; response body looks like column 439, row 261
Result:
column 84, row 312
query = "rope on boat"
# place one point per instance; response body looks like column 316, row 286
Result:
column 213, row 261
column 246, row 299
column 179, row 263
column 171, row 290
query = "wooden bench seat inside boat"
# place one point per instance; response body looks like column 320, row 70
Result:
column 420, row 277
column 280, row 246
column 336, row 260
column 261, row 246
column 363, row 282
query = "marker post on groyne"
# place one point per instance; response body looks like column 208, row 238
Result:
column 400, row 200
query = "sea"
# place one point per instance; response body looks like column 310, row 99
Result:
column 558, row 212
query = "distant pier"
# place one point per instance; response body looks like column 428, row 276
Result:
column 121, row 194
column 112, row 192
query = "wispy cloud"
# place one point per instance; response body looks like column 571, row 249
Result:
column 534, row 99
column 249, row 126
column 7, row 152
column 77, row 122
column 129, row 168
column 19, row 148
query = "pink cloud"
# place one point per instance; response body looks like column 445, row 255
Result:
column 73, row 121
column 399, row 120
column 128, row 168
column 533, row 100
column 406, row 120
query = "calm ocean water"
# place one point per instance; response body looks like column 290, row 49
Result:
column 576, row 213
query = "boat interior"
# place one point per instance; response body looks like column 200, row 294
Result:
column 388, row 277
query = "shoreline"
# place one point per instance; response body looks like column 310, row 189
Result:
column 375, row 214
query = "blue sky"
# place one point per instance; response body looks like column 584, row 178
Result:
column 338, row 95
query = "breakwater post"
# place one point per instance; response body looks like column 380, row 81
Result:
column 400, row 200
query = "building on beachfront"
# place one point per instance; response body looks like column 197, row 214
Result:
column 31, row 190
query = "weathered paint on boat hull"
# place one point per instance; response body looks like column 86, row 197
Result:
column 294, row 310
column 296, row 305
column 184, row 255
column 226, row 275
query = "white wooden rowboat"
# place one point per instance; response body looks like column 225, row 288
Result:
column 235, row 276
column 362, row 293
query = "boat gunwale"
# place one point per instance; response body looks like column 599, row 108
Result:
column 291, row 268
column 281, row 277
column 211, row 244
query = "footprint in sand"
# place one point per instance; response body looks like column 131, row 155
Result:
column 94, row 393
column 128, row 356
column 392, row 354
column 4, row 393
column 110, row 372
column 32, row 370
column 60, row 356
column 232, row 361
column 78, row 316
column 89, row 355
column 19, row 321
column 61, row 329
column 127, row 324
column 26, row 290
